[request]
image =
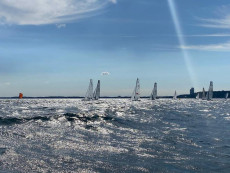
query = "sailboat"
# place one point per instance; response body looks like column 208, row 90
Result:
column 89, row 92
column 136, row 92
column 20, row 96
column 226, row 96
column 96, row 94
column 203, row 94
column 210, row 91
column 175, row 96
column 153, row 95
column 197, row 96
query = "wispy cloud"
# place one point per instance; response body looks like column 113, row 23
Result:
column 222, row 20
column 209, row 47
column 217, row 23
column 38, row 12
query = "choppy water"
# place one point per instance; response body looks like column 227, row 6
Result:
column 114, row 135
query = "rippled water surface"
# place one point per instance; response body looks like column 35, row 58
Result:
column 114, row 135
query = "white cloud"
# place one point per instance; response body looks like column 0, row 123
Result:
column 105, row 73
column 59, row 26
column 114, row 1
column 38, row 12
column 209, row 47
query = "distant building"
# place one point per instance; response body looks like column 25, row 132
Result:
column 192, row 92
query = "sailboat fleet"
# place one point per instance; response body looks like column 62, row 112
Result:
column 95, row 95
column 90, row 95
column 209, row 95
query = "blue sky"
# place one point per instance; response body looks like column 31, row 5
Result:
column 51, row 47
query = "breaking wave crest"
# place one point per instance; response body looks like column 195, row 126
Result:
column 13, row 120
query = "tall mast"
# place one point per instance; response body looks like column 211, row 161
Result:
column 175, row 96
column 136, row 92
column 203, row 94
column 210, row 91
column 154, row 92
column 226, row 96
column 96, row 94
column 89, row 93
column 197, row 96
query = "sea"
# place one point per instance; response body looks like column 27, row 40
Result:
column 114, row 135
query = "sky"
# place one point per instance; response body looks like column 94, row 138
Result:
column 53, row 47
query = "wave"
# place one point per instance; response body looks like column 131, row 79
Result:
column 2, row 151
column 87, row 118
column 13, row 120
column 70, row 117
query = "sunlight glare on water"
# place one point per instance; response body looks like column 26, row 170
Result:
column 114, row 135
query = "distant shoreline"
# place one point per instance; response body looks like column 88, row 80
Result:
column 216, row 94
column 63, row 97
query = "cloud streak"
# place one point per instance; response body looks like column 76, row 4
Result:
column 210, row 47
column 221, row 21
column 210, row 35
column 40, row 12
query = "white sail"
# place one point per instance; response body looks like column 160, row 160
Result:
column 136, row 92
column 197, row 96
column 96, row 94
column 226, row 96
column 206, row 98
column 175, row 96
column 89, row 93
column 154, row 92
column 203, row 94
column 210, row 91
